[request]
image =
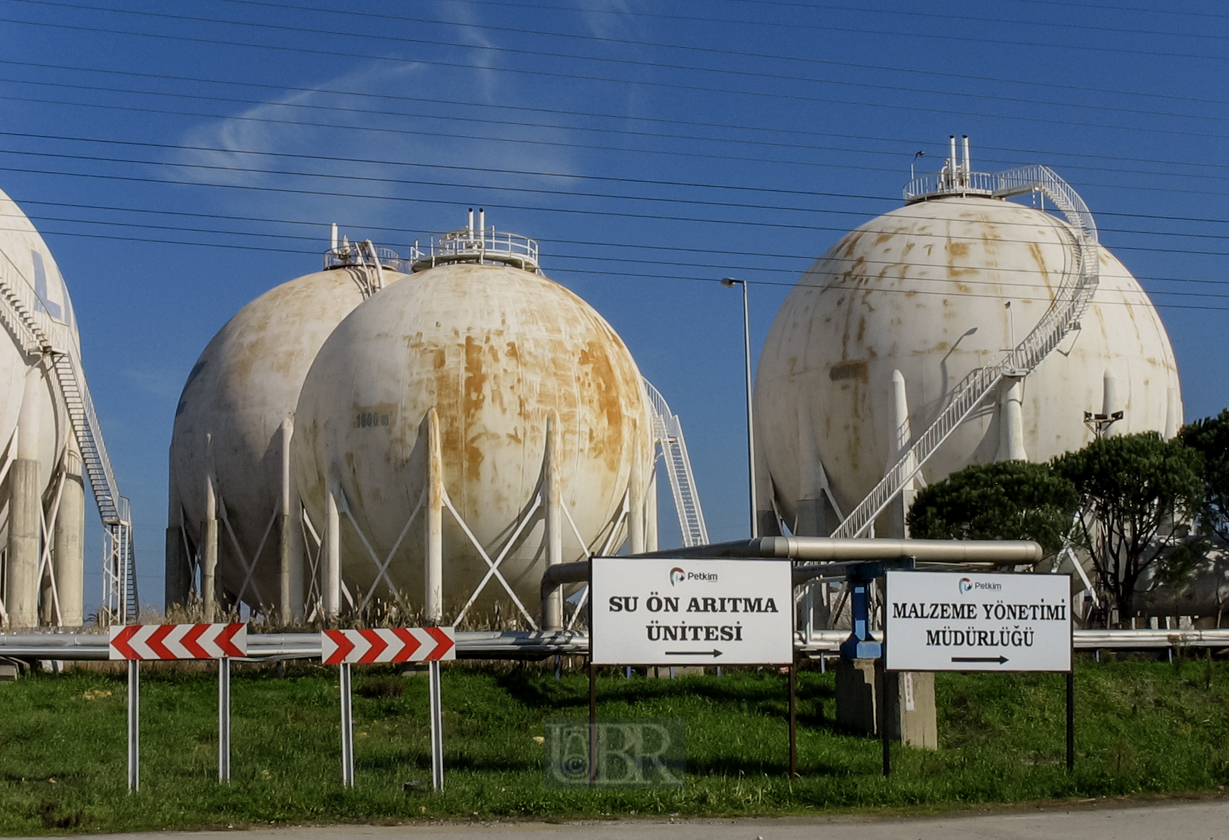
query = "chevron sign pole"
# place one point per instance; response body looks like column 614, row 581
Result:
column 138, row 642
column 397, row 644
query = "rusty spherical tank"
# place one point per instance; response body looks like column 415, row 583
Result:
column 934, row 290
column 494, row 349
column 229, row 419
column 30, row 272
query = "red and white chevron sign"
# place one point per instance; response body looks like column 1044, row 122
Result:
column 179, row 641
column 398, row 644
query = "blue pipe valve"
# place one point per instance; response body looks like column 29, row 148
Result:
column 861, row 644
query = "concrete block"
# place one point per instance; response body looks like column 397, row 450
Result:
column 855, row 695
column 910, row 697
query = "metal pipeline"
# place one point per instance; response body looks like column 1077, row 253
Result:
column 821, row 549
column 491, row 644
column 495, row 644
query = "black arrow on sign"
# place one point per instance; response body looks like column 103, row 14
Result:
column 713, row 653
column 998, row 659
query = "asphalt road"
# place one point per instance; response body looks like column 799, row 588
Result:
column 1100, row 820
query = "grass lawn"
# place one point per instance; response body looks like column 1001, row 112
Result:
column 1141, row 727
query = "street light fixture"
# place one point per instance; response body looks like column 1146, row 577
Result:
column 729, row 283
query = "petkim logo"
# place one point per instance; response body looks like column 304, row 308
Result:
column 965, row 585
column 677, row 576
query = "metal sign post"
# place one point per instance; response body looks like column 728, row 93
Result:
column 437, row 726
column 793, row 719
column 398, row 644
column 136, row 642
column 347, row 727
column 224, row 719
column 134, row 725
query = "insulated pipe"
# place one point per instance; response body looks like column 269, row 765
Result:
column 178, row 576
column 1109, row 400
column 209, row 567
column 25, row 508
column 898, row 443
column 68, row 547
column 968, row 167
column 552, row 607
column 332, row 553
column 290, row 545
column 650, row 513
column 817, row 549
column 433, row 569
column 635, row 513
column 1173, row 413
column 1011, row 423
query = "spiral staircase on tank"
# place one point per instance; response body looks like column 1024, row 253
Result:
column 1079, row 283
column 41, row 336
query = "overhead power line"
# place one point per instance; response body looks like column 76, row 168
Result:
column 759, row 93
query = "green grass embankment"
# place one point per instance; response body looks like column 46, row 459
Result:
column 1148, row 728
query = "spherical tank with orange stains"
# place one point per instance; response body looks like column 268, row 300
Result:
column 884, row 327
column 228, row 431
column 495, row 350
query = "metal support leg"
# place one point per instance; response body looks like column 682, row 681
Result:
column 592, row 725
column 1071, row 720
column 134, row 725
column 793, row 719
column 224, row 719
column 437, row 727
column 347, row 729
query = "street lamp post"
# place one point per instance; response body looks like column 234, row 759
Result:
column 729, row 283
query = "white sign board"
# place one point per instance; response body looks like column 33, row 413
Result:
column 951, row 621
column 691, row 612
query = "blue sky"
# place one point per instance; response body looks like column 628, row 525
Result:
column 181, row 158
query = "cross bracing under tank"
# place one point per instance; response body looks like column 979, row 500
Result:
column 1071, row 299
column 44, row 338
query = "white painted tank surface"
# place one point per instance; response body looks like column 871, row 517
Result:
column 229, row 424
column 35, row 431
column 934, row 290
column 28, row 265
column 494, row 349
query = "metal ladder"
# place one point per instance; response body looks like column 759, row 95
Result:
column 41, row 336
column 671, row 447
column 1070, row 302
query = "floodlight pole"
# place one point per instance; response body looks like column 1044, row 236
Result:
column 730, row 282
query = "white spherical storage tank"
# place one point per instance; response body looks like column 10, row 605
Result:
column 37, row 446
column 882, row 331
column 499, row 353
column 230, row 517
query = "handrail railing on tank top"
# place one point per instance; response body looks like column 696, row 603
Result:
column 476, row 245
column 1067, row 307
column 40, row 334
